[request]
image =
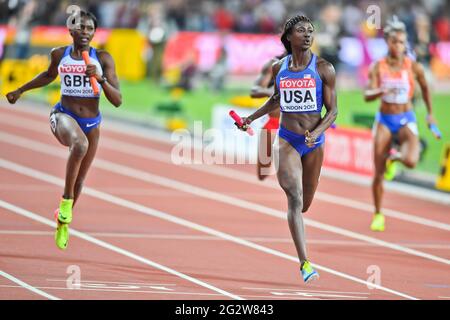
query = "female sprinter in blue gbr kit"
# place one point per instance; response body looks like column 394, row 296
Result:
column 75, row 120
column 303, row 83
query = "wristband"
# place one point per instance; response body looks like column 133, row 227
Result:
column 102, row 81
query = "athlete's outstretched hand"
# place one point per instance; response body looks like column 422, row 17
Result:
column 433, row 127
column 310, row 138
column 430, row 120
column 245, row 123
column 13, row 96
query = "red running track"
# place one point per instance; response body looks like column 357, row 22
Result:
column 149, row 229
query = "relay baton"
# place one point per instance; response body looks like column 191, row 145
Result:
column 239, row 122
column 94, row 84
column 434, row 128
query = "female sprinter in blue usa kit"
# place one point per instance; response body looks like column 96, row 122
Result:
column 303, row 83
column 75, row 120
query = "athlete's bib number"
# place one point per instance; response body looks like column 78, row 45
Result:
column 397, row 93
column 397, row 89
column 298, row 95
column 76, row 85
column 74, row 81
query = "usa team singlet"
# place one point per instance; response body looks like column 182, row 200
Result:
column 300, row 91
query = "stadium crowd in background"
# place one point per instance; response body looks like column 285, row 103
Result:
column 342, row 34
column 426, row 21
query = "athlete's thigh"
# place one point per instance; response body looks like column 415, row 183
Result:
column 312, row 165
column 289, row 166
column 409, row 141
column 65, row 128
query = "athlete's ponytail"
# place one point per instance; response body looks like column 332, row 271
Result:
column 394, row 25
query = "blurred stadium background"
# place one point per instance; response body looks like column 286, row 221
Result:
column 183, row 60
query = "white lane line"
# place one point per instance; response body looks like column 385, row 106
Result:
column 86, row 282
column 305, row 290
column 312, row 241
column 215, row 196
column 108, row 246
column 278, row 294
column 27, row 286
column 122, row 290
column 153, row 154
column 125, row 291
column 26, row 171
column 257, row 297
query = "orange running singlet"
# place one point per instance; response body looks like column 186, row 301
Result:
column 402, row 81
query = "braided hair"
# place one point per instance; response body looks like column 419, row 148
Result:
column 290, row 23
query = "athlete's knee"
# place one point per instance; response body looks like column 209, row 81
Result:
column 79, row 147
column 295, row 201
column 289, row 189
column 378, row 178
column 295, row 207
column 410, row 162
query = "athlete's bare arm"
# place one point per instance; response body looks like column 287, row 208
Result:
column 42, row 79
column 328, row 76
column 273, row 102
column 111, row 85
column 373, row 90
column 260, row 88
column 420, row 76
